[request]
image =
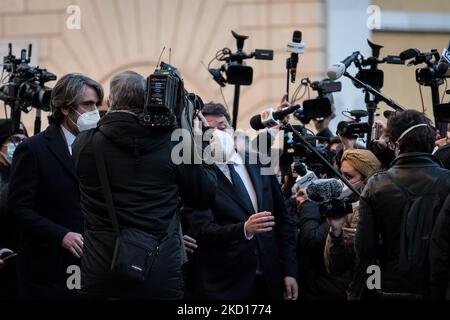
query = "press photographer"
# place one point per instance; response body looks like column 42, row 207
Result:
column 131, row 189
column 398, row 209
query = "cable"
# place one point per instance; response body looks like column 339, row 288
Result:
column 297, row 90
column 443, row 95
column 301, row 97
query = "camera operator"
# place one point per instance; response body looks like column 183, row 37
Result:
column 43, row 197
column 358, row 165
column 316, row 283
column 398, row 209
column 145, row 185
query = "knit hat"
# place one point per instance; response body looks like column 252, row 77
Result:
column 364, row 161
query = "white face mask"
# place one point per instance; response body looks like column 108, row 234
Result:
column 222, row 146
column 10, row 152
column 88, row 120
column 11, row 147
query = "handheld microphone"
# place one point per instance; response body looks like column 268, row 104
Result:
column 324, row 189
column 295, row 47
column 444, row 63
column 337, row 70
column 270, row 117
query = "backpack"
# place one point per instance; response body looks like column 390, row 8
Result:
column 418, row 218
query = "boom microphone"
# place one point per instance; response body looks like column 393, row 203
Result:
column 296, row 43
column 324, row 189
column 270, row 117
column 337, row 70
column 444, row 63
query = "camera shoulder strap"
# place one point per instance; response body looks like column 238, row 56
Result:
column 104, row 181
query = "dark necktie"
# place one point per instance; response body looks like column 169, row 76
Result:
column 240, row 189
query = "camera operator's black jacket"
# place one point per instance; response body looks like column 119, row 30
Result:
column 145, row 186
column 380, row 217
column 315, row 282
column 440, row 254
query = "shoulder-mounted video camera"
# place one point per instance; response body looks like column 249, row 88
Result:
column 235, row 69
column 319, row 107
column 167, row 104
column 25, row 87
column 356, row 128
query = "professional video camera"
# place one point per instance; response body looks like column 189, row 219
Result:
column 368, row 71
column 336, row 208
column 432, row 76
column 356, row 128
column 320, row 107
column 334, row 200
column 237, row 72
column 168, row 105
column 300, row 154
column 25, row 87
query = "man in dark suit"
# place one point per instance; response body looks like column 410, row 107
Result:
column 43, row 194
column 246, row 241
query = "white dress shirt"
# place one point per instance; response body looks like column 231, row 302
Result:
column 241, row 170
column 70, row 138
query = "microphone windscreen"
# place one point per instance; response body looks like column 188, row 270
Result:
column 324, row 190
column 297, row 36
column 256, row 123
column 336, row 71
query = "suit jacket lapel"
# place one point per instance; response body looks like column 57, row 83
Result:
column 58, row 147
column 228, row 188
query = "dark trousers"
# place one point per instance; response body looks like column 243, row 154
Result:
column 260, row 291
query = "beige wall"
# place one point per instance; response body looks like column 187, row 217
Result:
column 399, row 81
column 129, row 34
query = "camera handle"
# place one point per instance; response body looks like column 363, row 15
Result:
column 313, row 150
